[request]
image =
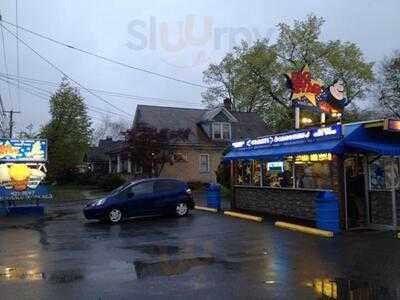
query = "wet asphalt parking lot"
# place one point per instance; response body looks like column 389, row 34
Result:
column 202, row 256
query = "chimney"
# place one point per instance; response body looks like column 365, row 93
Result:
column 228, row 104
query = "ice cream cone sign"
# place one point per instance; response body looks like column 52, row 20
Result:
column 19, row 174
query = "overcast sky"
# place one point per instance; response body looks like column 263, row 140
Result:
column 175, row 38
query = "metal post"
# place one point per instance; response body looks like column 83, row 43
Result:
column 323, row 119
column 294, row 171
column 297, row 117
column 366, row 183
column 346, row 212
column 394, row 208
column 232, row 171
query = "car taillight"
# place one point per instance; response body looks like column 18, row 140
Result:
column 189, row 192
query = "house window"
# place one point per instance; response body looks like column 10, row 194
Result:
column 204, row 163
column 221, row 131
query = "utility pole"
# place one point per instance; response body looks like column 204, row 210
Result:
column 11, row 122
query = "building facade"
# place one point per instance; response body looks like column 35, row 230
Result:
column 211, row 132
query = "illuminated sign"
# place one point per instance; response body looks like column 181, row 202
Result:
column 314, row 157
column 310, row 134
column 12, row 150
column 275, row 166
column 392, row 125
column 313, row 95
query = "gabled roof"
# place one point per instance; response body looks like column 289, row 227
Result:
column 210, row 114
column 244, row 124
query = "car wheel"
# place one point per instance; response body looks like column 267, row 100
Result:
column 114, row 215
column 181, row 209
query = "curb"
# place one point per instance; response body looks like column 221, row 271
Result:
column 242, row 216
column 214, row 210
column 305, row 229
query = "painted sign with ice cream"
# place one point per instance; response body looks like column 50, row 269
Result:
column 23, row 150
column 22, row 168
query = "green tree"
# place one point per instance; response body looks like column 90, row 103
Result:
column 388, row 87
column 68, row 132
column 252, row 75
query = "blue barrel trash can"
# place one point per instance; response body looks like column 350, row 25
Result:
column 327, row 212
column 214, row 196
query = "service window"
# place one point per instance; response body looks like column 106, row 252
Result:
column 277, row 174
column 248, row 172
column 314, row 175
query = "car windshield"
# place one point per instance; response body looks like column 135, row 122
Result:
column 120, row 188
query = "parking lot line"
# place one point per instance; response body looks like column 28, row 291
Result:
column 304, row 229
column 243, row 216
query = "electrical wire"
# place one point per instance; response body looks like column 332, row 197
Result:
column 17, row 34
column 44, row 96
column 49, row 94
column 114, row 61
column 62, row 72
column 109, row 93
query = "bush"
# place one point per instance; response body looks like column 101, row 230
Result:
column 224, row 175
column 110, row 182
column 226, row 192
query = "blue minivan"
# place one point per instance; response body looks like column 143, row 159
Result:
column 141, row 198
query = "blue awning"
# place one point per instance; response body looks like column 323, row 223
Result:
column 279, row 152
column 379, row 148
column 373, row 140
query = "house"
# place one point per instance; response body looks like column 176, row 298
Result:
column 96, row 159
column 212, row 130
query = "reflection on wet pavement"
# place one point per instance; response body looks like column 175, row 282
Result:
column 10, row 273
column 64, row 276
column 202, row 256
column 343, row 289
column 170, row 267
column 154, row 249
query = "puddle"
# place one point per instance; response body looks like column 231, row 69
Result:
column 154, row 249
column 170, row 267
column 64, row 276
column 343, row 289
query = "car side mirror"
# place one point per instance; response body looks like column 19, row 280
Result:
column 131, row 195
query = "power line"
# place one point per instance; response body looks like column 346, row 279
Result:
column 109, row 93
column 43, row 96
column 48, row 93
column 61, row 71
column 103, row 57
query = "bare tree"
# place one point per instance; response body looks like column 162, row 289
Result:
column 388, row 86
column 110, row 128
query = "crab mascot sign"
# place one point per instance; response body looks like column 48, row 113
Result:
column 313, row 95
column 22, row 169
